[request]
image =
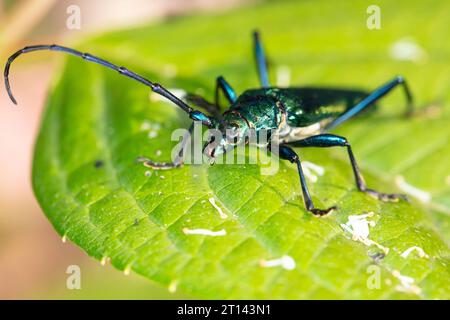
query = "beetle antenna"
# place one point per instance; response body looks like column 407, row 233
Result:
column 157, row 88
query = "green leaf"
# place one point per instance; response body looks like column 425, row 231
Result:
column 117, row 209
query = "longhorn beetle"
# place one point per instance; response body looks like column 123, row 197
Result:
column 302, row 116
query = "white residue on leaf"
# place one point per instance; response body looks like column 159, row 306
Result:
column 173, row 286
column 419, row 250
column 179, row 93
column 406, row 284
column 205, row 232
column 214, row 204
column 311, row 169
column 286, row 262
column 358, row 227
column 158, row 153
column 283, row 76
column 407, row 49
column 148, row 173
column 162, row 177
column 64, row 238
column 421, row 195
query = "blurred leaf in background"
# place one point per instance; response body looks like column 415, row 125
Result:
column 136, row 218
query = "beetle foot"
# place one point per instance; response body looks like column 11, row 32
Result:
column 386, row 197
column 158, row 165
column 322, row 212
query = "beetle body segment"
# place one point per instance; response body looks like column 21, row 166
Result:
column 294, row 112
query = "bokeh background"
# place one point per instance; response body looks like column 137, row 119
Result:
column 33, row 259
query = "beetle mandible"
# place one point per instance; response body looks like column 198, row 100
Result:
column 302, row 116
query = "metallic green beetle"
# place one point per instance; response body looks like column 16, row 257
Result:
column 301, row 117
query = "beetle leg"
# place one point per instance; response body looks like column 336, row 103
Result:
column 228, row 91
column 331, row 140
column 261, row 61
column 372, row 98
column 177, row 162
column 286, row 153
